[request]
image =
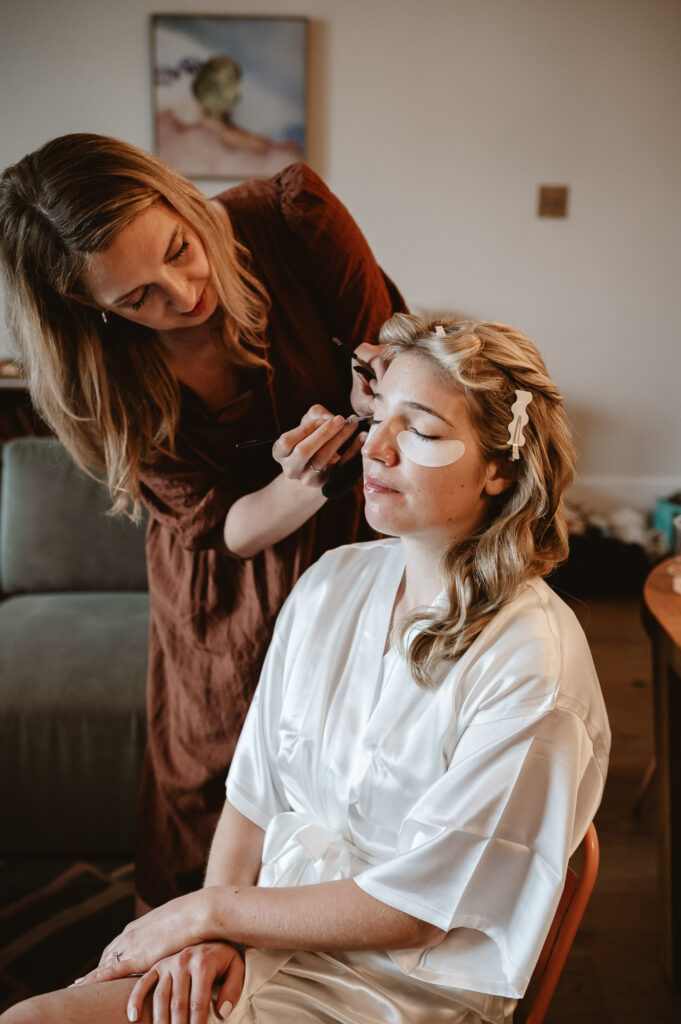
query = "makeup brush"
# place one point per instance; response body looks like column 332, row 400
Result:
column 355, row 418
column 363, row 368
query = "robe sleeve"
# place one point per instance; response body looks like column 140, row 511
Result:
column 253, row 783
column 354, row 295
column 482, row 854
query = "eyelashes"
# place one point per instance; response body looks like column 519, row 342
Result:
column 176, row 255
column 412, row 430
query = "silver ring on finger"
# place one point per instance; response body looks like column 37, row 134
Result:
column 315, row 470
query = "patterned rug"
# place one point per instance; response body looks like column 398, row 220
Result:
column 55, row 919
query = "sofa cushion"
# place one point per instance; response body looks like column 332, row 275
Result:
column 54, row 531
column 72, row 721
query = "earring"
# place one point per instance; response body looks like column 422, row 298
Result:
column 105, row 317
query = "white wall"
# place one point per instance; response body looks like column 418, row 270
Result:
column 435, row 121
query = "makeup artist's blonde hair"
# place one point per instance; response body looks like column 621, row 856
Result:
column 525, row 533
column 105, row 389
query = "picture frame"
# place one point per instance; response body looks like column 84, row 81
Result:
column 229, row 93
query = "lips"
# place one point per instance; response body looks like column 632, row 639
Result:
column 374, row 486
column 199, row 307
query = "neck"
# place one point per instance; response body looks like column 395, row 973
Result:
column 422, row 577
column 185, row 342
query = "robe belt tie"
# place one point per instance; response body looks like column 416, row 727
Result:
column 307, row 851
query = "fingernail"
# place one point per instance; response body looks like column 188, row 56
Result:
column 78, row 981
column 132, row 1014
column 225, row 1009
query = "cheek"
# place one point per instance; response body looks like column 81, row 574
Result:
column 432, row 454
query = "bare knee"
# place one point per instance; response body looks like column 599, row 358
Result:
column 104, row 1003
column 26, row 1012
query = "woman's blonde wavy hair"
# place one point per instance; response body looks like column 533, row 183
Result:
column 105, row 389
column 525, row 534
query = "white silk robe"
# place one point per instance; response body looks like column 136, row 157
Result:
column 459, row 806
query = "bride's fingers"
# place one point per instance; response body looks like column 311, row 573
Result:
column 183, row 998
column 230, row 990
column 161, row 1000
column 140, row 992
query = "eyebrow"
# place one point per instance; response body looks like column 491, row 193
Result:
column 419, row 407
column 166, row 257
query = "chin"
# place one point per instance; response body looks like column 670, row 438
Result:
column 381, row 523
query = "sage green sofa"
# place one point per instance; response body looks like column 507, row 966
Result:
column 74, row 617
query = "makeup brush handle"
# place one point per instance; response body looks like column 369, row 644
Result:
column 342, row 480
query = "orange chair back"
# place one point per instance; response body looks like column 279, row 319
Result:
column 571, row 907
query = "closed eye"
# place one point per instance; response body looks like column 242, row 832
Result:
column 176, row 255
column 140, row 302
column 424, row 437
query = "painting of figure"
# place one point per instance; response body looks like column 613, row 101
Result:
column 229, row 94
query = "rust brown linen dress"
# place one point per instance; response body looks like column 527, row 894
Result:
column 212, row 615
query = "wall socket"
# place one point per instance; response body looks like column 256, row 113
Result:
column 553, row 201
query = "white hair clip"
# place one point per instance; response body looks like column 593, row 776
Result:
column 520, row 420
column 440, row 331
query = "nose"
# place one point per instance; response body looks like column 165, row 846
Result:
column 380, row 445
column 181, row 293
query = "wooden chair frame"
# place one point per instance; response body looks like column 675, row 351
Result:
column 573, row 902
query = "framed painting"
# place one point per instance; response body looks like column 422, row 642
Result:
column 229, row 93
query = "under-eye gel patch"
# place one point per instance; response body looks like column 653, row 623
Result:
column 425, row 452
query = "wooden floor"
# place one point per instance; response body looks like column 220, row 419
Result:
column 613, row 974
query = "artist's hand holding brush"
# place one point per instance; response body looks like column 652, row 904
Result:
column 321, row 442
column 307, row 454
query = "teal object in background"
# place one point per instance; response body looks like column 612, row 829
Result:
column 663, row 518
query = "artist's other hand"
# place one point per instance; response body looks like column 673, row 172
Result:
column 182, row 985
column 362, row 393
column 310, row 450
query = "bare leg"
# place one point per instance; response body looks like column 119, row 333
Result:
column 104, row 1003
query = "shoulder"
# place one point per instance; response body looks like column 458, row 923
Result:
column 294, row 192
column 333, row 595
column 352, row 564
column 533, row 657
column 298, row 199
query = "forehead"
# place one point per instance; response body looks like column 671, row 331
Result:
column 413, row 377
column 135, row 251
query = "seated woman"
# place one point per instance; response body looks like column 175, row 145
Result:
column 427, row 745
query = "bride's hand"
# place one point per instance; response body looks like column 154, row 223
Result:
column 182, row 985
column 309, row 451
column 150, row 938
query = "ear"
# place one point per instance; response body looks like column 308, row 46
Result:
column 499, row 475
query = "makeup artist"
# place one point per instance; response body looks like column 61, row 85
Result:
column 159, row 331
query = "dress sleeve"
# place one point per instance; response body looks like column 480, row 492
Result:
column 192, row 499
column 483, row 852
column 355, row 295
